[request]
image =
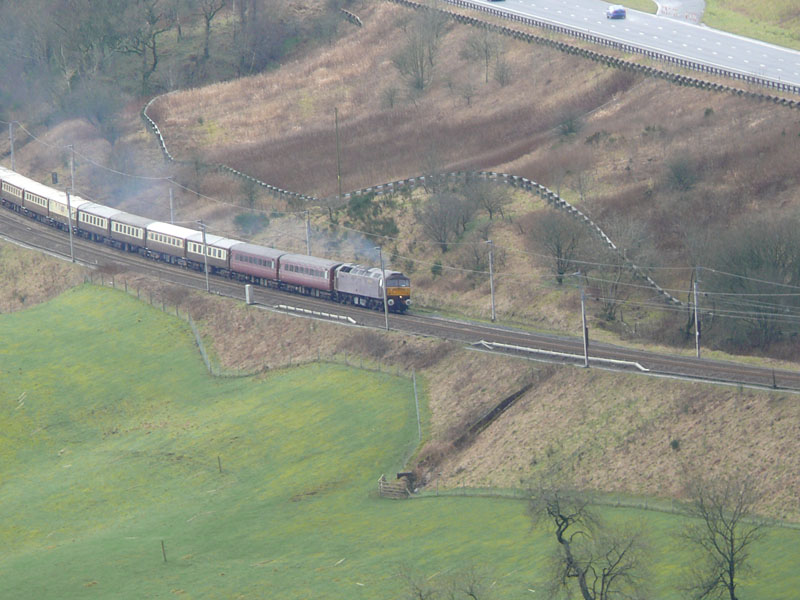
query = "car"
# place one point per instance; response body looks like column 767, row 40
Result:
column 615, row 11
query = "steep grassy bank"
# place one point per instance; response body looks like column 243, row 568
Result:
column 611, row 432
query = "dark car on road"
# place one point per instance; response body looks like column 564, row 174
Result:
column 615, row 11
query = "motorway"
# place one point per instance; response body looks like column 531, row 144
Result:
column 682, row 39
column 537, row 346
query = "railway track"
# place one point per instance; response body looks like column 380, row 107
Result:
column 22, row 230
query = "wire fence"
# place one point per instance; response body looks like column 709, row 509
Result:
column 162, row 301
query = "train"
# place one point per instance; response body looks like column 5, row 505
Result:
column 334, row 280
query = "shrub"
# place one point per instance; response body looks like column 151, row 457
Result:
column 681, row 174
column 251, row 223
column 570, row 124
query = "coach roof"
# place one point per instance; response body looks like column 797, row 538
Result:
column 170, row 229
column 99, row 210
column 214, row 240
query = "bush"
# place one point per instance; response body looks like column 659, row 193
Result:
column 570, row 124
column 251, row 223
column 681, row 174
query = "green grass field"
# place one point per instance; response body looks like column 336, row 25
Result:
column 647, row 6
column 109, row 444
column 774, row 21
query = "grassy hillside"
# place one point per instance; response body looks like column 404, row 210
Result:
column 616, row 432
column 102, row 463
column 654, row 164
column 29, row 278
column 667, row 168
column 775, row 21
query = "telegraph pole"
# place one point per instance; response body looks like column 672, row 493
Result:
column 383, row 285
column 491, row 275
column 583, row 321
column 696, row 315
column 171, row 207
column 69, row 225
column 71, row 190
column 72, row 167
column 308, row 235
column 11, row 140
column 205, row 251
column 338, row 159
column 585, row 329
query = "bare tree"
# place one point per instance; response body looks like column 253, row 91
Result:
column 602, row 566
column 613, row 276
column 416, row 586
column 761, row 250
column 147, row 20
column 432, row 169
column 474, row 255
column 483, row 45
column 723, row 531
column 470, row 583
column 434, row 23
column 609, row 281
column 502, row 71
column 90, row 32
column 562, row 238
column 265, row 30
column 209, row 10
column 416, row 60
column 467, row 92
column 441, row 217
column 490, row 197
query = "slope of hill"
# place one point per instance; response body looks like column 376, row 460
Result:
column 628, row 434
column 606, row 139
column 157, row 479
column 648, row 160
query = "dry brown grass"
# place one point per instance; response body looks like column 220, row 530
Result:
column 279, row 127
column 29, row 278
column 613, row 432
